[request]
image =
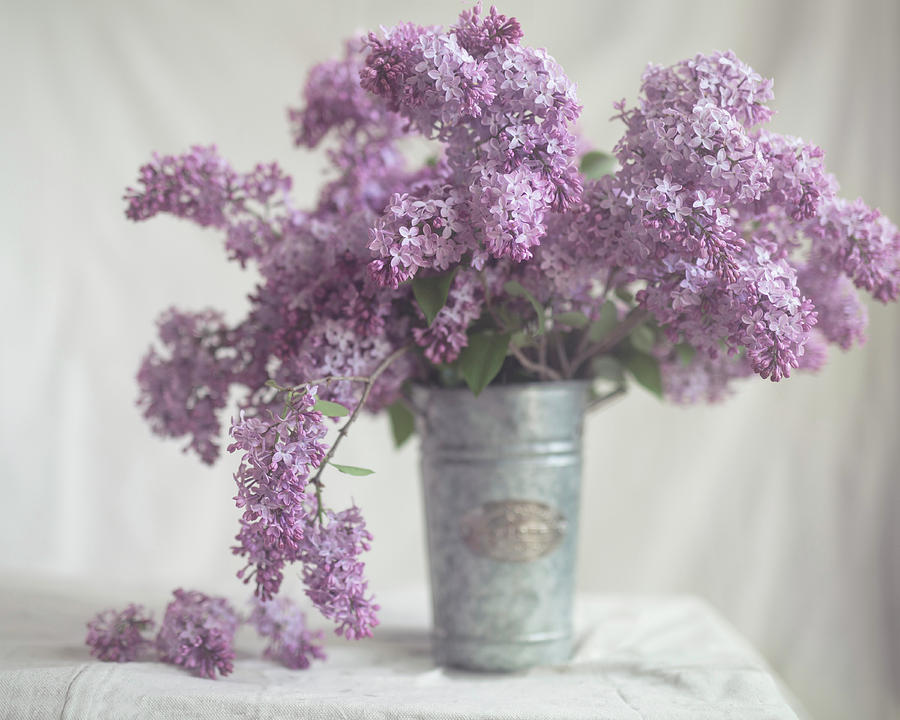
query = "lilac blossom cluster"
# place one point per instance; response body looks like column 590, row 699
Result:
column 185, row 385
column 283, row 624
column 503, row 114
column 277, row 456
column 445, row 337
column 718, row 249
column 705, row 219
column 118, row 636
column 282, row 522
column 202, row 187
column 197, row 633
column 334, row 575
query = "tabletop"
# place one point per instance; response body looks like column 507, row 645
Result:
column 636, row 658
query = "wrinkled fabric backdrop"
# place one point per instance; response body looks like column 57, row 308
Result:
column 779, row 506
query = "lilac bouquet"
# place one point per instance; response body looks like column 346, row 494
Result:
column 705, row 249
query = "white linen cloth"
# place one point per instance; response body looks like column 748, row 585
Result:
column 665, row 658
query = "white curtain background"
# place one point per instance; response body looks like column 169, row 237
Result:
column 779, row 506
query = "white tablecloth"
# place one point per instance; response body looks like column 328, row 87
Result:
column 667, row 658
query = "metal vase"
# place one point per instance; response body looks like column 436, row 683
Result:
column 502, row 475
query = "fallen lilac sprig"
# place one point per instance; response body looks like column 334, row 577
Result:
column 197, row 633
column 118, row 636
column 283, row 623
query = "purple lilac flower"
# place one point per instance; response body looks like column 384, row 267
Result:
column 335, row 102
column 481, row 35
column 184, row 385
column 196, row 185
column 443, row 340
column 333, row 573
column 278, row 454
column 703, row 379
column 667, row 217
column 842, row 317
column 118, row 636
column 197, row 633
column 201, row 186
column 707, row 212
column 860, row 243
column 281, row 523
column 336, row 347
column 503, row 113
column 291, row 642
column 423, row 230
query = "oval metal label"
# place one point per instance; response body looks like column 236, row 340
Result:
column 513, row 530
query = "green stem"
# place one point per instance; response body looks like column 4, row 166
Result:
column 613, row 338
column 368, row 382
column 540, row 368
column 562, row 357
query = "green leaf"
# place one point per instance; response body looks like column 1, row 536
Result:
column 521, row 339
column 515, row 289
column 331, row 409
column 643, row 338
column 403, row 422
column 645, row 369
column 510, row 320
column 351, row 469
column 624, row 293
column 431, row 292
column 607, row 319
column 572, row 319
column 481, row 360
column 448, row 375
column 606, row 367
column 685, row 353
column 596, row 164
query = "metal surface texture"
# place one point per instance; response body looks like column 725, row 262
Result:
column 501, row 475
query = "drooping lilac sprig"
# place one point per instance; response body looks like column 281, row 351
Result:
column 333, row 572
column 119, row 636
column 332, row 542
column 202, row 187
column 278, row 454
column 197, row 186
column 283, row 623
column 197, row 633
column 185, row 383
column 284, row 519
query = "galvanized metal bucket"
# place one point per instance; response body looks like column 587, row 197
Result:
column 501, row 475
